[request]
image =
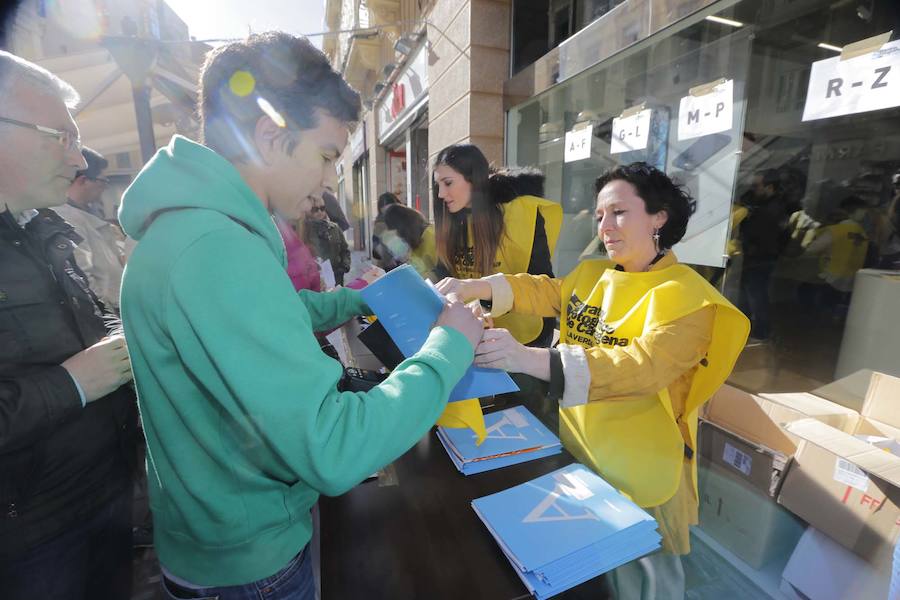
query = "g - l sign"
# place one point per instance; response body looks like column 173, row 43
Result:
column 861, row 84
column 706, row 112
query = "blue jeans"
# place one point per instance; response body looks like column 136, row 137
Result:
column 91, row 561
column 293, row 582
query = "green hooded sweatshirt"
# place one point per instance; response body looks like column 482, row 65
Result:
column 244, row 423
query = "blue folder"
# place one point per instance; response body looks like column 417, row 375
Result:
column 407, row 307
column 565, row 528
column 514, row 436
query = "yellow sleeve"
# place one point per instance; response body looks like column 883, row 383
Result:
column 537, row 295
column 651, row 361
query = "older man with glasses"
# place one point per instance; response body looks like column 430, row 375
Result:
column 67, row 422
column 100, row 254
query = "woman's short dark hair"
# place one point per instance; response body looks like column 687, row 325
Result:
column 409, row 223
column 288, row 72
column 659, row 193
column 386, row 199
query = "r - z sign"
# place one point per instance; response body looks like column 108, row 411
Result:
column 862, row 84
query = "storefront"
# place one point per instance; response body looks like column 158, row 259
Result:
column 734, row 101
column 359, row 212
column 402, row 118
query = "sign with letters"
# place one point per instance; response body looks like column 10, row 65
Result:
column 707, row 111
column 854, row 85
column 578, row 143
column 630, row 132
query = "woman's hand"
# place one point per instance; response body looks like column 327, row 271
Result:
column 466, row 289
column 500, row 350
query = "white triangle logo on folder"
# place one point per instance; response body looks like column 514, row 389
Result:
column 497, row 429
column 548, row 510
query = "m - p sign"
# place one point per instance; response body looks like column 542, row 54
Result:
column 706, row 113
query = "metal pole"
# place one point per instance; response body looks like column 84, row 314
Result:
column 141, row 95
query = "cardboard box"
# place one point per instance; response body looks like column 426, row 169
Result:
column 822, row 569
column 742, row 433
column 744, row 519
column 847, row 487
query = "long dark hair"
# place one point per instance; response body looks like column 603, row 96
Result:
column 409, row 223
column 451, row 231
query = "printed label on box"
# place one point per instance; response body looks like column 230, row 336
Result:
column 737, row 459
column 848, row 473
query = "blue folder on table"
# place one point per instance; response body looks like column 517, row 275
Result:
column 513, row 436
column 407, row 307
column 565, row 528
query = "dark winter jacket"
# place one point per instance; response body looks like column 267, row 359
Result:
column 59, row 462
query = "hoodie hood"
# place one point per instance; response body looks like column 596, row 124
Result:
column 186, row 175
column 509, row 183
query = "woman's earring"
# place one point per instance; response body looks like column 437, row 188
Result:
column 656, row 239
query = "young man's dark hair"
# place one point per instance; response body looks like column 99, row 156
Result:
column 271, row 73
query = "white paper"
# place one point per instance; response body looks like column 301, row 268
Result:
column 336, row 339
column 737, row 459
column 706, row 114
column 847, row 473
column 578, row 144
column 631, row 133
column 327, row 274
column 846, row 87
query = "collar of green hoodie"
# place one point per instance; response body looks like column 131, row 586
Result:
column 185, row 174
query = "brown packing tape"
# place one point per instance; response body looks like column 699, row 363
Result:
column 706, row 88
column 865, row 46
column 632, row 110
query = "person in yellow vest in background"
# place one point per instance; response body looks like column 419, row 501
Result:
column 645, row 341
column 492, row 222
column 842, row 247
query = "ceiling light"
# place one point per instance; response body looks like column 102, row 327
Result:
column 825, row 46
column 724, row 21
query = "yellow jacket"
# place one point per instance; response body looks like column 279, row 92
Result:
column 424, row 258
column 514, row 253
column 641, row 353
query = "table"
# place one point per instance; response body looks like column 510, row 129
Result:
column 412, row 533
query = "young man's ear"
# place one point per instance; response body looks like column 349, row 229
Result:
column 267, row 139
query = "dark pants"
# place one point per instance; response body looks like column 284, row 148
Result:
column 754, row 301
column 293, row 582
column 91, row 561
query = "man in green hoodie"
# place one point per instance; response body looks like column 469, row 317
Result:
column 245, row 425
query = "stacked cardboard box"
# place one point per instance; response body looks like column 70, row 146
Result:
column 828, row 457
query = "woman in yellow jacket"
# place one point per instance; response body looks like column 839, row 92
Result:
column 494, row 222
column 645, row 341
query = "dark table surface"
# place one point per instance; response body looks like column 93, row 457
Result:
column 412, row 533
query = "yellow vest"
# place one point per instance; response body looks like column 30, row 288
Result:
column 514, row 254
column 424, row 258
column 849, row 245
column 635, row 444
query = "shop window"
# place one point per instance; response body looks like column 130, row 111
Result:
column 791, row 214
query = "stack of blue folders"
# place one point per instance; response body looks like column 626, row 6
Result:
column 565, row 528
column 514, row 436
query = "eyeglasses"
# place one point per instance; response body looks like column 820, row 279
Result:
column 317, row 209
column 103, row 180
column 68, row 140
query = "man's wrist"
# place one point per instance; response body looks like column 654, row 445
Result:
column 538, row 361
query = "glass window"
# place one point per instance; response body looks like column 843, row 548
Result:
column 787, row 213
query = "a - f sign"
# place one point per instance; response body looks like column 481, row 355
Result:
column 549, row 510
column 861, row 84
column 710, row 112
column 578, row 143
